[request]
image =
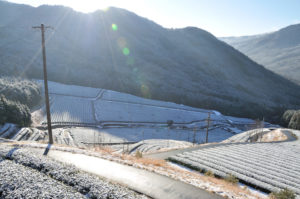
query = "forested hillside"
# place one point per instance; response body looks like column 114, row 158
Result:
column 118, row 50
column 278, row 51
column 17, row 96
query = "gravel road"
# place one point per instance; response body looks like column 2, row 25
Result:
column 27, row 175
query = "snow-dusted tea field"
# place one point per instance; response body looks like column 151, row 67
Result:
column 82, row 115
column 271, row 166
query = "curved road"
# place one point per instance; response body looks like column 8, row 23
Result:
column 148, row 183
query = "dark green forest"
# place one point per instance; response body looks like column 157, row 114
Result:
column 17, row 97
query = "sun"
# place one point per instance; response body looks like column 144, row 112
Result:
column 89, row 5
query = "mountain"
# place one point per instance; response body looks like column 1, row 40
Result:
column 278, row 51
column 118, row 50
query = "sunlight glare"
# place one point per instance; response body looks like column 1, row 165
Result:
column 114, row 27
column 126, row 51
column 90, row 6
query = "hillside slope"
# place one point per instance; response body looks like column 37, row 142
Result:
column 278, row 51
column 188, row 66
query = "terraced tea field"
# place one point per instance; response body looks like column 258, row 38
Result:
column 271, row 166
column 71, row 90
column 123, row 112
column 116, row 116
column 66, row 109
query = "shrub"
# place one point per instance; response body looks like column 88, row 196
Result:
column 295, row 121
column 283, row 194
column 209, row 173
column 138, row 154
column 286, row 117
column 291, row 119
column 231, row 179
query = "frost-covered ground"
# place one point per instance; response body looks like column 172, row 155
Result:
column 161, row 167
column 84, row 116
column 271, row 166
column 261, row 135
column 151, row 146
column 111, row 106
column 24, row 174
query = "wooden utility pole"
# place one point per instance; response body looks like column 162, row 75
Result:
column 208, row 121
column 194, row 136
column 42, row 27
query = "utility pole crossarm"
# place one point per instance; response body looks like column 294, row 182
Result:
column 42, row 27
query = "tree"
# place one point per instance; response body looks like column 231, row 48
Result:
column 14, row 112
column 295, row 121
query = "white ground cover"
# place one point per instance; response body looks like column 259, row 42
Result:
column 123, row 97
column 153, row 145
column 138, row 134
column 261, row 135
column 71, row 90
column 66, row 109
column 139, row 118
column 171, row 170
column 123, row 111
column 25, row 174
column 247, row 135
column 271, row 166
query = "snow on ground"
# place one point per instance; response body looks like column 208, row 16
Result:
column 121, row 107
column 271, row 166
column 247, row 136
column 71, row 90
column 153, row 145
column 25, row 174
column 147, row 139
column 114, row 117
column 123, row 111
column 66, row 109
column 123, row 97
column 163, row 168
column 88, row 135
column 260, row 135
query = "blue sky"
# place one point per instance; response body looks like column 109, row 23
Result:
column 220, row 17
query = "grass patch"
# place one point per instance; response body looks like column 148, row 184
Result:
column 231, row 179
column 209, row 173
column 138, row 154
column 146, row 161
column 283, row 194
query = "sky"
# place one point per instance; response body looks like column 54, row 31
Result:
column 220, row 17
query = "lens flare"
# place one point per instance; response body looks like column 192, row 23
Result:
column 126, row 51
column 122, row 42
column 114, row 27
column 145, row 91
